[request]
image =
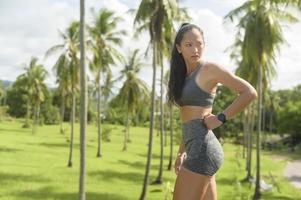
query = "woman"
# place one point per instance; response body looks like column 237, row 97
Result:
column 192, row 85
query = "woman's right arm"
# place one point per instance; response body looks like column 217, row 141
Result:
column 181, row 150
column 180, row 157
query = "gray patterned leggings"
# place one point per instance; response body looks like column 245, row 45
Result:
column 204, row 152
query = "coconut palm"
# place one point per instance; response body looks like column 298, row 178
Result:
column 69, row 59
column 157, row 17
column 34, row 78
column 104, row 40
column 83, row 103
column 133, row 91
column 39, row 89
column 170, row 164
column 262, row 36
column 63, row 79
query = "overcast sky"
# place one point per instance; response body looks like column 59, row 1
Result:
column 28, row 28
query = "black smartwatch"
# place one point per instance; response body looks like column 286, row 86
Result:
column 222, row 117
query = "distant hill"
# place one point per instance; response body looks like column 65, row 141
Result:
column 6, row 83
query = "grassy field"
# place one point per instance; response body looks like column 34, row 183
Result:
column 35, row 167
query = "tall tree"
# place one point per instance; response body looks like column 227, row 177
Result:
column 69, row 57
column 83, row 104
column 260, row 22
column 159, row 23
column 133, row 91
column 63, row 79
column 171, row 128
column 34, row 77
column 105, row 39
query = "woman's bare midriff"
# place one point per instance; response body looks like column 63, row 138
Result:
column 194, row 112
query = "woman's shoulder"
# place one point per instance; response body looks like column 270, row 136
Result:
column 214, row 66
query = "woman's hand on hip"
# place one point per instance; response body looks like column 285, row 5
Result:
column 179, row 162
column 211, row 121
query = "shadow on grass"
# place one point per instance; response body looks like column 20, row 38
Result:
column 8, row 177
column 137, row 164
column 225, row 181
column 278, row 197
column 8, row 150
column 296, row 155
column 154, row 156
column 49, row 192
column 55, row 145
column 115, row 175
column 4, row 131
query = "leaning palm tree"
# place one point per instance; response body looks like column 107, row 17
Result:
column 69, row 54
column 83, row 104
column 104, row 40
column 260, row 20
column 156, row 17
column 133, row 91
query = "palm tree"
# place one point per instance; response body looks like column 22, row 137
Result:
column 83, row 104
column 133, row 91
column 170, row 164
column 105, row 38
column 64, row 84
column 39, row 89
column 34, row 78
column 157, row 17
column 262, row 38
column 69, row 51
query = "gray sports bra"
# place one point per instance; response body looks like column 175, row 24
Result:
column 192, row 94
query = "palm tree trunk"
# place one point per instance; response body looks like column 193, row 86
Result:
column 251, row 120
column 38, row 115
column 83, row 105
column 245, row 139
column 26, row 125
column 159, row 177
column 62, row 113
column 271, row 122
column 72, row 128
column 126, row 131
column 151, row 129
column 98, row 119
column 263, row 138
column 171, row 139
column 34, row 119
column 257, row 193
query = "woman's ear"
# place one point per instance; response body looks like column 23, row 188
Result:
column 178, row 48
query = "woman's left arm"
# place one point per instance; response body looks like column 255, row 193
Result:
column 246, row 91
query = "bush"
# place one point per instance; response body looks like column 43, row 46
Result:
column 3, row 112
column 106, row 133
column 51, row 115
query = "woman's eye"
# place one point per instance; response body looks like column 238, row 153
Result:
column 188, row 45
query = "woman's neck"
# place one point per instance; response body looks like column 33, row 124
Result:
column 191, row 66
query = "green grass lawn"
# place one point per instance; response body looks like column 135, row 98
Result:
column 35, row 167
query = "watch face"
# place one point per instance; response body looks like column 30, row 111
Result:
column 222, row 117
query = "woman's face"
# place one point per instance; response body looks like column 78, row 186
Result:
column 191, row 46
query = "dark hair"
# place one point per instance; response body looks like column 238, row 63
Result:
column 178, row 69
